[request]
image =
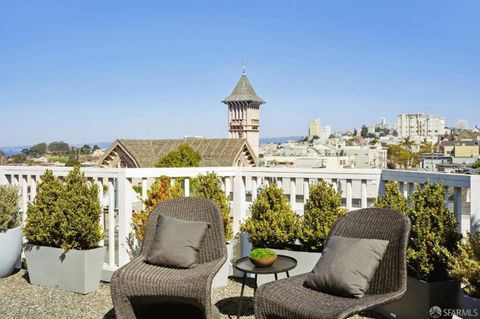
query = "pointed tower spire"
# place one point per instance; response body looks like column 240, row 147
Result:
column 244, row 113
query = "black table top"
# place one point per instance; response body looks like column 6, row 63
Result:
column 282, row 264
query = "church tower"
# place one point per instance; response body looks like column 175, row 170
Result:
column 244, row 113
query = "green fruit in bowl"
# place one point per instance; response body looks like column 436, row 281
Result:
column 262, row 257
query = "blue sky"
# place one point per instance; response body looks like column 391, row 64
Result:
column 88, row 71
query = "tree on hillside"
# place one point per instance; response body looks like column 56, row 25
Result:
column 407, row 143
column 59, row 148
column 364, row 131
column 95, row 147
column 38, row 149
column 2, row 154
column 86, row 150
column 183, row 156
column 400, row 157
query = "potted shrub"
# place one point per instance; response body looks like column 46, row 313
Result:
column 160, row 191
column 272, row 224
column 63, row 230
column 433, row 237
column 209, row 186
column 10, row 229
column 464, row 265
column 322, row 209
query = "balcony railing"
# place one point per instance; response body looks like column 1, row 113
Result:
column 359, row 189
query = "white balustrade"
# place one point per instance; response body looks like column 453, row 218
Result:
column 358, row 187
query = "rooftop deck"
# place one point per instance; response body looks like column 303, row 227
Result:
column 19, row 299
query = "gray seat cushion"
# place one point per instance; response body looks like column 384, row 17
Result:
column 176, row 242
column 347, row 265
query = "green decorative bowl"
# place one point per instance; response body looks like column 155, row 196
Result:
column 262, row 257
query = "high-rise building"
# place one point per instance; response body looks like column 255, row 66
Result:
column 313, row 128
column 461, row 125
column 244, row 113
column 420, row 126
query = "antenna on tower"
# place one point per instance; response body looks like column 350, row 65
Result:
column 244, row 66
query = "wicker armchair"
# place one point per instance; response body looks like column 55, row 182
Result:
column 288, row 298
column 138, row 280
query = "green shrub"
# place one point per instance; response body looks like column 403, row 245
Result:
column 9, row 207
column 262, row 253
column 433, row 235
column 160, row 191
column 322, row 209
column 393, row 199
column 209, row 186
column 464, row 264
column 272, row 222
column 64, row 214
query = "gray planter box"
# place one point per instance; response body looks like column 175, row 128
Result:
column 469, row 306
column 10, row 250
column 76, row 270
column 305, row 263
column 420, row 297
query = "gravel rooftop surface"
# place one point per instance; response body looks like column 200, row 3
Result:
column 20, row 299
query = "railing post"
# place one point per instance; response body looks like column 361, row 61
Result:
column 474, row 203
column 364, row 195
column 348, row 194
column 254, row 188
column 293, row 193
column 24, row 202
column 99, row 184
column 111, row 224
column 124, row 215
column 239, row 213
column 186, row 187
column 144, row 191
column 457, row 207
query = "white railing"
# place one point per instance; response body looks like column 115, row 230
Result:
column 359, row 189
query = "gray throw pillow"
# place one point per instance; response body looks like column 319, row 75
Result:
column 347, row 265
column 176, row 242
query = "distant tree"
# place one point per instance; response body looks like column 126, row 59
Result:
column 95, row 147
column 38, row 149
column 86, row 150
column 364, row 131
column 72, row 162
column 476, row 164
column 355, row 132
column 371, row 135
column 426, row 147
column 59, row 148
column 2, row 154
column 400, row 157
column 374, row 141
column 19, row 158
column 407, row 143
column 183, row 156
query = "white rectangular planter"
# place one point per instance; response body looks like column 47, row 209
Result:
column 76, row 270
column 221, row 278
column 305, row 263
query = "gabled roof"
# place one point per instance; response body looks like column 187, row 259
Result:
column 214, row 152
column 243, row 92
column 468, row 135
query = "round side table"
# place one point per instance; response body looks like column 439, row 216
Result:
column 282, row 264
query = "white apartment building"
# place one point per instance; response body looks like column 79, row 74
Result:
column 420, row 126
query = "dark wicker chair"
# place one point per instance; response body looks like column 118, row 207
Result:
column 192, row 287
column 288, row 298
